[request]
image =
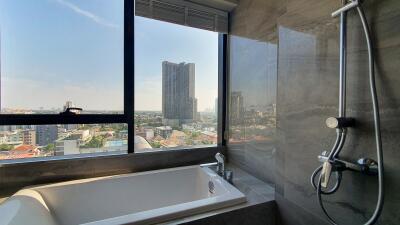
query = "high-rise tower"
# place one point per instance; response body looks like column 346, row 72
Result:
column 178, row 93
column 236, row 108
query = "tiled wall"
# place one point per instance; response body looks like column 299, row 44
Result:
column 301, row 39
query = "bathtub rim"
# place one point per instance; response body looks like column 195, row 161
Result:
column 203, row 205
column 231, row 197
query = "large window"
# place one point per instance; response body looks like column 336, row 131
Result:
column 176, row 85
column 61, row 52
column 75, row 79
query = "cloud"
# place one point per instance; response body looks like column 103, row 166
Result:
column 87, row 14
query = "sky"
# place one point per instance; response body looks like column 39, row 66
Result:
column 58, row 50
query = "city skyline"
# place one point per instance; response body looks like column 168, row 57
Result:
column 55, row 65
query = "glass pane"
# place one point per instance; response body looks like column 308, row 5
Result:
column 60, row 53
column 252, row 96
column 176, row 86
column 32, row 141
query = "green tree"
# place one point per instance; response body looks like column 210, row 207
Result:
column 95, row 142
column 195, row 134
column 50, row 147
column 5, row 147
column 155, row 144
column 205, row 142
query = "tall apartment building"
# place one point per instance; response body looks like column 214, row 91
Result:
column 179, row 104
column 236, row 108
column 46, row 134
column 29, row 137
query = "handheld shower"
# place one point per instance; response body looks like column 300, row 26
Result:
column 331, row 161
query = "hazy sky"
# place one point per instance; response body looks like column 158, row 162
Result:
column 58, row 50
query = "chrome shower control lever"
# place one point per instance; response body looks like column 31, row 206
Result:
column 339, row 122
column 326, row 174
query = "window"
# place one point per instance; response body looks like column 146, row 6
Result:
column 33, row 141
column 176, row 85
column 76, row 81
column 61, row 53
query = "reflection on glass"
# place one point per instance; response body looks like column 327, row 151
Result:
column 176, row 86
column 31, row 141
column 252, row 101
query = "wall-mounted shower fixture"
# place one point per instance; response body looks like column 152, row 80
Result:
column 331, row 162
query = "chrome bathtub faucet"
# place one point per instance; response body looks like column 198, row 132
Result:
column 220, row 164
column 226, row 174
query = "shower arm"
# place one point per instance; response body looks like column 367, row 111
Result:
column 352, row 4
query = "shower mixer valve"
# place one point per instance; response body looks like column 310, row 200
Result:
column 364, row 165
column 340, row 122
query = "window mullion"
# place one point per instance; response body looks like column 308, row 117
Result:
column 44, row 119
column 129, row 68
column 222, row 87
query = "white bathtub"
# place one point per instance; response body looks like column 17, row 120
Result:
column 140, row 198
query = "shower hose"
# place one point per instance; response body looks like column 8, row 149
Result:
column 341, row 136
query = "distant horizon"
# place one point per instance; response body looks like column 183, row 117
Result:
column 94, row 110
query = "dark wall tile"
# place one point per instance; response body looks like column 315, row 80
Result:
column 261, row 214
column 307, row 61
column 289, row 213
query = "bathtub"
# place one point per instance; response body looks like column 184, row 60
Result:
column 140, row 198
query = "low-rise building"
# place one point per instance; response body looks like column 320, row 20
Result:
column 149, row 134
column 164, row 131
column 14, row 138
column 67, row 146
column 24, row 151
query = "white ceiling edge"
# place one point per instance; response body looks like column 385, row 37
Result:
column 225, row 5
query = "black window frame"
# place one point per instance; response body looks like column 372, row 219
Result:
column 129, row 90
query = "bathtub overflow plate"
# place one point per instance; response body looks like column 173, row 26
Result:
column 211, row 187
